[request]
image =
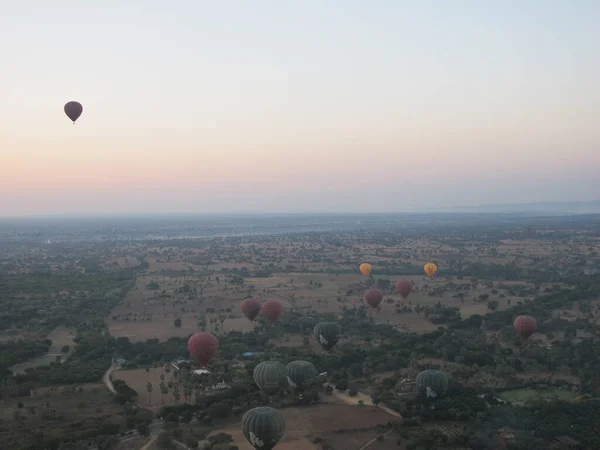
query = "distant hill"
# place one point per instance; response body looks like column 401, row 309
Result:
column 592, row 207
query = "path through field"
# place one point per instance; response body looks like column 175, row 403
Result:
column 374, row 439
column 149, row 443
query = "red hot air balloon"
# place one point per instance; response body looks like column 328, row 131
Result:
column 251, row 308
column 525, row 326
column 272, row 310
column 373, row 297
column 202, row 347
column 73, row 110
column 404, row 287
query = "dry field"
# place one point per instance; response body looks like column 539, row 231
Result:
column 303, row 425
column 138, row 379
column 163, row 294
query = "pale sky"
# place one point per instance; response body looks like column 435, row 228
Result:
column 297, row 105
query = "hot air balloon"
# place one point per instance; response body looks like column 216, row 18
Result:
column 299, row 374
column 269, row 376
column 365, row 269
column 327, row 334
column 73, row 110
column 525, row 326
column 251, row 308
column 272, row 310
column 202, row 347
column 430, row 269
column 263, row 427
column 404, row 287
column 432, row 383
column 373, row 297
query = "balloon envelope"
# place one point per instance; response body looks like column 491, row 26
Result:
column 269, row 376
column 432, row 383
column 251, row 308
column 365, row 269
column 263, row 427
column 373, row 297
column 430, row 269
column 327, row 334
column 404, row 287
column 73, row 110
column 525, row 326
column 299, row 374
column 272, row 310
column 202, row 347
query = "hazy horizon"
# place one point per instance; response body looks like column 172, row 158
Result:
column 304, row 107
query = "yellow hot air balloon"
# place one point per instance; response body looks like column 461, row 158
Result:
column 430, row 269
column 365, row 269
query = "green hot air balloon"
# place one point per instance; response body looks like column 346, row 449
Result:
column 263, row 427
column 299, row 374
column 327, row 334
column 432, row 383
column 269, row 376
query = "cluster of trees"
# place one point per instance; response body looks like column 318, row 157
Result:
column 13, row 352
column 41, row 302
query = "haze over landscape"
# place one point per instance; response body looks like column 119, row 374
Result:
column 338, row 106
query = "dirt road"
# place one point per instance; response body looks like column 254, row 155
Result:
column 106, row 378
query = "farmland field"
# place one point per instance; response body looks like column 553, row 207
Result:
column 303, row 425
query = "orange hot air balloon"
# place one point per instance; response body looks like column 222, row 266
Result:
column 430, row 269
column 373, row 297
column 365, row 269
column 251, row 308
column 525, row 326
column 202, row 347
column 272, row 310
column 404, row 287
column 73, row 110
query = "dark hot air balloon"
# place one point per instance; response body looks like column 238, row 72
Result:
column 327, row 334
column 263, row 427
column 432, row 383
column 272, row 310
column 202, row 347
column 269, row 376
column 525, row 326
column 404, row 287
column 373, row 297
column 73, row 110
column 251, row 308
column 299, row 374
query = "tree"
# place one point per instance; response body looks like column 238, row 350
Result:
column 342, row 384
column 176, row 393
column 493, row 305
column 149, row 389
